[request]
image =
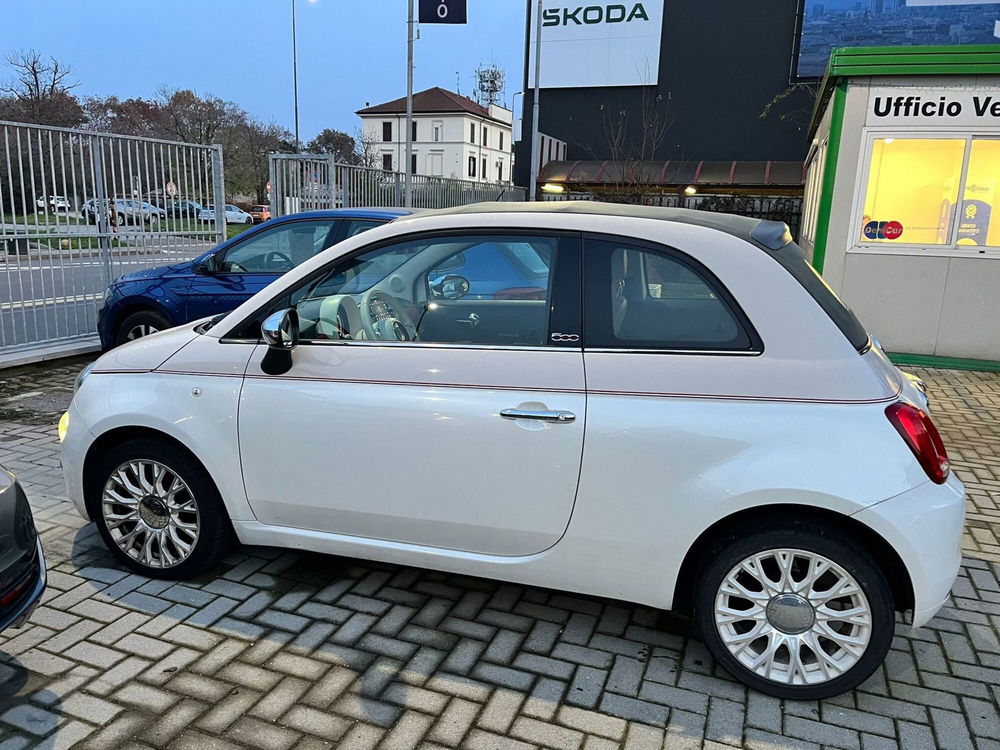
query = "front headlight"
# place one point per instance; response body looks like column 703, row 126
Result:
column 82, row 377
column 63, row 427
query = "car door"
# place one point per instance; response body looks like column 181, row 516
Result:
column 394, row 433
column 250, row 264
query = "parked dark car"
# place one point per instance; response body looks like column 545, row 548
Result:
column 144, row 302
column 22, row 564
column 181, row 208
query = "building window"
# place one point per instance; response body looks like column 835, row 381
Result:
column 386, row 131
column 472, row 166
column 499, row 171
column 387, row 162
column 472, row 132
column 486, row 139
column 501, row 140
column 413, row 133
column 413, row 163
column 915, row 194
column 483, row 173
column 438, row 128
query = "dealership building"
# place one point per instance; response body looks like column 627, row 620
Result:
column 893, row 149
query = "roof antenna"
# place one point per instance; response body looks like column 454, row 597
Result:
column 458, row 83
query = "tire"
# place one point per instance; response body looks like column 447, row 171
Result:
column 197, row 503
column 140, row 324
column 755, row 626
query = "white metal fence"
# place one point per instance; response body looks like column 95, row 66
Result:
column 307, row 182
column 78, row 209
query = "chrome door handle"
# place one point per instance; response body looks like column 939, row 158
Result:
column 544, row 416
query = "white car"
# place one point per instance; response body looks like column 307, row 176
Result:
column 667, row 407
column 53, row 203
column 233, row 214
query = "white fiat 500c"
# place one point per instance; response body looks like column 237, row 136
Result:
column 656, row 405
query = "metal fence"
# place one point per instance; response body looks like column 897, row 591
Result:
column 306, row 182
column 78, row 209
column 786, row 208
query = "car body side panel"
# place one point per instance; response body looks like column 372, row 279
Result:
column 925, row 527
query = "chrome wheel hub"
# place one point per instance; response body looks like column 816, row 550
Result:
column 790, row 613
column 150, row 513
column 792, row 616
column 137, row 332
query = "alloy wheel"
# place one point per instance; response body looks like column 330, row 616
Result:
column 793, row 617
column 143, row 329
column 150, row 513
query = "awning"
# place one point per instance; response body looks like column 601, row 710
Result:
column 675, row 174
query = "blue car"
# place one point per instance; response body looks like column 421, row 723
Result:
column 144, row 302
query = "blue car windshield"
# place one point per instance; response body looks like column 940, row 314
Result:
column 363, row 272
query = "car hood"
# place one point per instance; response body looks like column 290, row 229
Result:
column 146, row 353
column 156, row 273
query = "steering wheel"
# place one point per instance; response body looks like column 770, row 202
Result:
column 396, row 325
column 276, row 255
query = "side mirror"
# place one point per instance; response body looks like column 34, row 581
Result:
column 208, row 267
column 451, row 286
column 281, row 334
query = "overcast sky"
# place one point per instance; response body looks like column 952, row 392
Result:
column 350, row 51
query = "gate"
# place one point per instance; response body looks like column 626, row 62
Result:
column 77, row 210
column 307, row 182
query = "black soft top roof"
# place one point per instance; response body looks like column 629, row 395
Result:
column 769, row 234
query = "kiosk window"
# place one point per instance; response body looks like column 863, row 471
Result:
column 913, row 184
column 976, row 223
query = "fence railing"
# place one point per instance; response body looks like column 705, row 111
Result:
column 786, row 208
column 306, row 182
column 79, row 208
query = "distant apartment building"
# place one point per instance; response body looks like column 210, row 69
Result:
column 453, row 136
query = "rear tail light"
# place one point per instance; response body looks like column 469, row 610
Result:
column 922, row 436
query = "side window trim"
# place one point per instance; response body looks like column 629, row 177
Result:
column 756, row 347
column 565, row 298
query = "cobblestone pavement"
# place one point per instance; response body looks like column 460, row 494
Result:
column 284, row 650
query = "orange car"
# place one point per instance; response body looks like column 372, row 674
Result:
column 260, row 213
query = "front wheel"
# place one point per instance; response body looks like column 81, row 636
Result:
column 139, row 324
column 793, row 611
column 157, row 509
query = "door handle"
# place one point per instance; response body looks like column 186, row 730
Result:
column 544, row 416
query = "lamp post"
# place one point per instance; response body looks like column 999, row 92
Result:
column 535, row 145
column 295, row 76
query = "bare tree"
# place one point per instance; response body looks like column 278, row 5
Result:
column 40, row 91
column 368, row 150
column 793, row 105
column 632, row 137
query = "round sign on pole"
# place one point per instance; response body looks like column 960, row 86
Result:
column 171, row 189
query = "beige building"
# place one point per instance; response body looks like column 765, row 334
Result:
column 453, row 136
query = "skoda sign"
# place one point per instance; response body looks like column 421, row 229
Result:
column 598, row 43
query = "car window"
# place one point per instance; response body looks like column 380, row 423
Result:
column 278, row 249
column 500, row 270
column 397, row 293
column 651, row 299
column 357, row 226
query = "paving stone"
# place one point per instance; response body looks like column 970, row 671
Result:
column 284, row 649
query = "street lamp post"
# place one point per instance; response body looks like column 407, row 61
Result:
column 535, row 140
column 295, row 78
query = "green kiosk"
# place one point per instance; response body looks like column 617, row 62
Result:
column 902, row 198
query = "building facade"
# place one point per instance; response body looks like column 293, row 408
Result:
column 453, row 136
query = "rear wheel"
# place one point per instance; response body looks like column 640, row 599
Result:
column 139, row 324
column 794, row 611
column 157, row 509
